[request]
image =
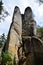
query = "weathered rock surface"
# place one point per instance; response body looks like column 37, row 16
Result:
column 14, row 36
column 22, row 41
column 29, row 24
column 33, row 51
column 15, row 33
column 32, row 46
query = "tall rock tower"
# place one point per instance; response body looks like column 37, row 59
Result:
column 15, row 33
column 14, row 36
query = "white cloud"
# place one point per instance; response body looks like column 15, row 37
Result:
column 4, row 26
column 40, row 10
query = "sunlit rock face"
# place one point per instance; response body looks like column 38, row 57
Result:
column 15, row 33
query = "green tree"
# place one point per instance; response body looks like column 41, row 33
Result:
column 1, row 44
column 40, row 1
column 6, row 59
column 40, row 32
column 2, row 15
column 2, row 40
column 1, row 7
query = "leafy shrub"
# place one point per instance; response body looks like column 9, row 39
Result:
column 1, row 44
column 6, row 59
column 40, row 32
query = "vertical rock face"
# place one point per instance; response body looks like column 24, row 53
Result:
column 15, row 33
column 21, row 41
column 29, row 25
column 32, row 46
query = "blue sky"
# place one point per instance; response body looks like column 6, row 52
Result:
column 9, row 6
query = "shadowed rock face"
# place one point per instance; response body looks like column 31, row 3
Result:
column 31, row 45
column 29, row 24
column 33, row 51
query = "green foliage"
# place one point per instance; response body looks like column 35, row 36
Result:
column 40, row 1
column 3, row 37
column 3, row 12
column 6, row 59
column 40, row 32
column 1, row 7
column 1, row 44
column 2, row 40
column 40, row 29
column 14, row 62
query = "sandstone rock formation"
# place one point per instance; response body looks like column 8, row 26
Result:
column 22, row 41
column 33, row 49
column 29, row 24
column 15, row 33
column 14, row 36
column 31, row 45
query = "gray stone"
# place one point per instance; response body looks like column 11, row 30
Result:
column 22, row 42
column 33, row 51
column 29, row 24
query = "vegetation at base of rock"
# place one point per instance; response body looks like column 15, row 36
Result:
column 1, row 44
column 2, row 40
column 6, row 59
column 14, row 61
column 40, row 33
